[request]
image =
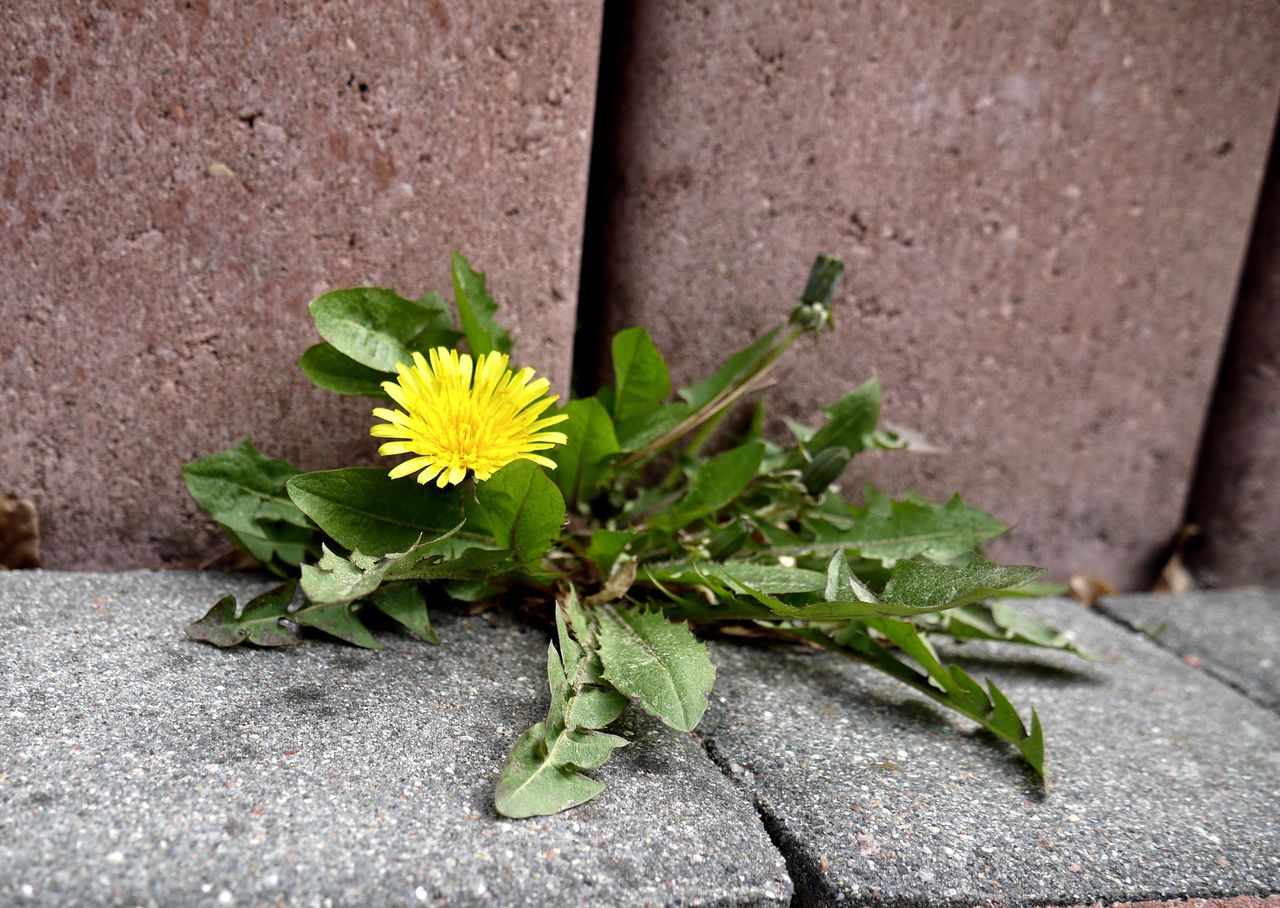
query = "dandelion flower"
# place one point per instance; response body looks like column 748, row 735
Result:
column 457, row 414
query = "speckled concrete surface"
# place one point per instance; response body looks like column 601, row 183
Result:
column 1164, row 780
column 141, row 768
column 178, row 180
column 1232, row 634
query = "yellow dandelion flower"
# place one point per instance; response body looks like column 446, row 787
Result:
column 458, row 415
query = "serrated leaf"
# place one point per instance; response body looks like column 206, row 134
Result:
column 244, row 491
column 337, row 580
column 532, row 784
column 921, row 585
column 260, row 623
column 1000, row 622
column 773, row 579
column 331, row 370
column 366, row 510
column 641, row 380
column 582, row 462
column 443, row 563
column 476, row 310
column 378, row 328
column 405, row 604
column 656, row 662
column 899, row 530
column 716, row 484
column 338, row 619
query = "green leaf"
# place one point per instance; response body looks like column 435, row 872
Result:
column 405, row 604
column 606, row 546
column 366, row 510
column 543, row 773
column 378, row 328
column 521, row 508
column 911, row 528
column 532, row 784
column 734, row 368
column 851, row 424
column 261, row 623
column 640, row 377
column 338, row 619
column 1001, row 622
column 738, row 576
column 334, row 371
column 717, row 483
column 245, row 493
column 582, row 462
column 476, row 310
column 337, row 580
column 594, row 707
column 934, row 586
column 913, row 588
column 656, row 662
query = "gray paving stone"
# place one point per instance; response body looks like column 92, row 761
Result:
column 1164, row 780
column 1232, row 634
column 140, row 768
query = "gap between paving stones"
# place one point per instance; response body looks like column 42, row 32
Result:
column 1228, row 634
column 1199, row 665
column 1166, row 768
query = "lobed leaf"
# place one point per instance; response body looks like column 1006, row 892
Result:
column 338, row 619
column 656, row 662
column 1000, row 622
column 244, row 491
column 405, row 604
column 891, row 531
column 950, row 686
column 262, row 622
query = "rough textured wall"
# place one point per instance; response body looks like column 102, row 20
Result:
column 1043, row 205
column 1236, row 498
column 178, row 180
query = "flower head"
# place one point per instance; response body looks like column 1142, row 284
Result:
column 458, row 415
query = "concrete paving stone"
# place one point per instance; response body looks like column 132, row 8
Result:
column 177, row 181
column 1232, row 634
column 1164, row 780
column 1044, row 208
column 141, row 768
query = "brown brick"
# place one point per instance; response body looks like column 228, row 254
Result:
column 178, row 180
column 1044, row 208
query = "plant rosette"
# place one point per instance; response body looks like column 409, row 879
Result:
column 636, row 518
